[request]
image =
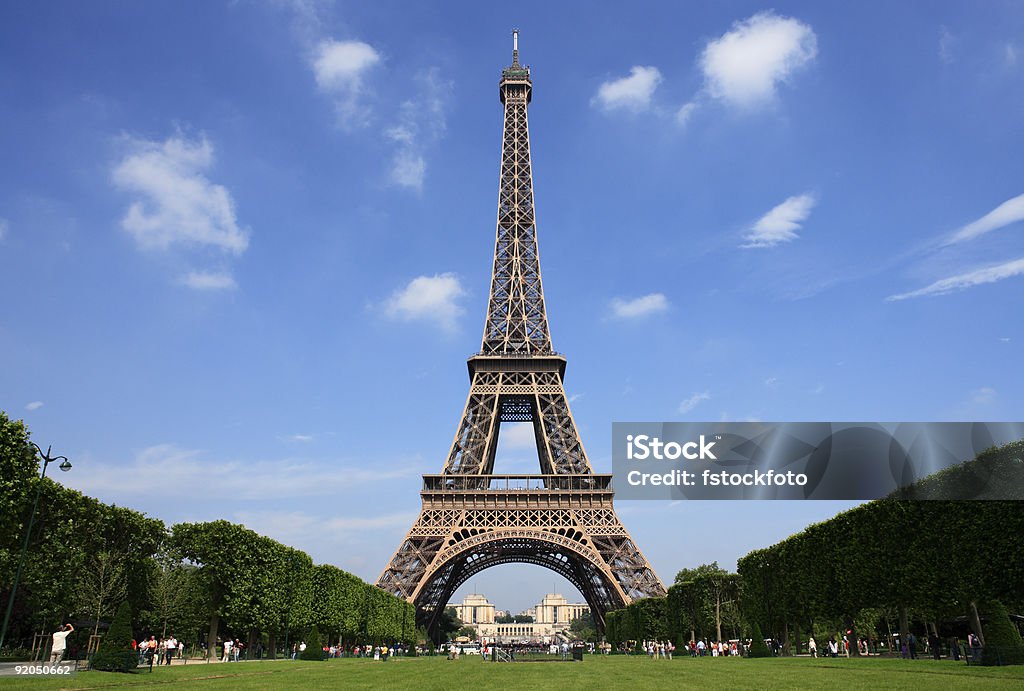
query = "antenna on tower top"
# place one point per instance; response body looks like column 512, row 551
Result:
column 515, row 46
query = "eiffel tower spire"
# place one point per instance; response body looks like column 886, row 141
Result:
column 517, row 322
column 563, row 518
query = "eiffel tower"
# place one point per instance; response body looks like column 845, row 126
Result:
column 563, row 518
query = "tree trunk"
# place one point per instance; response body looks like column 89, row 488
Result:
column 904, row 627
column 718, row 617
column 211, row 638
column 250, row 650
column 271, row 646
column 975, row 621
column 785, row 639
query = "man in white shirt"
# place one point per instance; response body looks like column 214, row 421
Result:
column 60, row 643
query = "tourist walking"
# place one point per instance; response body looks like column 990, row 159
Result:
column 812, row 647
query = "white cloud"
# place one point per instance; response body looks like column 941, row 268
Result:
column 781, row 223
column 684, row 114
column 629, row 93
column 745, row 65
column 4, row 227
column 1010, row 55
column 421, row 122
column 989, row 274
column 301, row 438
column 176, row 203
column 1010, row 211
column 693, row 401
column 946, row 43
column 984, row 395
column 517, row 435
column 432, row 298
column 639, row 307
column 202, row 280
column 190, row 474
column 771, row 382
column 340, row 68
column 298, row 523
column 34, row 405
column 408, row 169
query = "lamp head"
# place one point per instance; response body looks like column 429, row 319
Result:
column 65, row 465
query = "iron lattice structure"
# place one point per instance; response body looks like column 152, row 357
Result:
column 563, row 518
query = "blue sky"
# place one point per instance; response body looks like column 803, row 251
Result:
column 245, row 247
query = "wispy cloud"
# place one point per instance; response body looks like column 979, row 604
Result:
column 781, row 223
column 989, row 274
column 301, row 438
column 745, row 65
column 193, row 474
column 421, row 122
column 430, row 298
column 517, row 435
column 34, row 405
column 1010, row 211
column 4, row 227
column 693, row 401
column 684, row 114
column 983, row 395
column 176, row 204
column 639, row 307
column 947, row 42
column 340, row 68
column 1009, row 55
column 629, row 93
column 208, row 280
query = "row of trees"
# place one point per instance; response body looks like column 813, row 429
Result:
column 888, row 560
column 86, row 557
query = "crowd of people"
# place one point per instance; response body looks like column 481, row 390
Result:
column 158, row 651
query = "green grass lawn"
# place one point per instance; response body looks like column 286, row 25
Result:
column 594, row 672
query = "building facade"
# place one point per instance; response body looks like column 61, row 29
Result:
column 551, row 619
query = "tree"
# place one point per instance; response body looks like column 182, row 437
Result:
column 448, row 623
column 175, row 598
column 505, row 619
column 522, row 619
column 101, row 584
column 115, row 653
column 583, row 627
column 466, row 631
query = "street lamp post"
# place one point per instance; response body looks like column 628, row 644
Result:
column 47, row 460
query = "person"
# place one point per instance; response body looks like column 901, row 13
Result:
column 60, row 642
column 236, row 648
column 227, row 651
column 833, row 647
column 954, row 648
column 975, row 643
column 812, row 647
column 912, row 644
column 171, row 646
column 934, row 645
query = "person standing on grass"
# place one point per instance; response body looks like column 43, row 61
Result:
column 812, row 647
column 60, row 640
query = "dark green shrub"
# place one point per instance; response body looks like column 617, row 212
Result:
column 758, row 648
column 314, row 649
column 1003, row 644
column 115, row 653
